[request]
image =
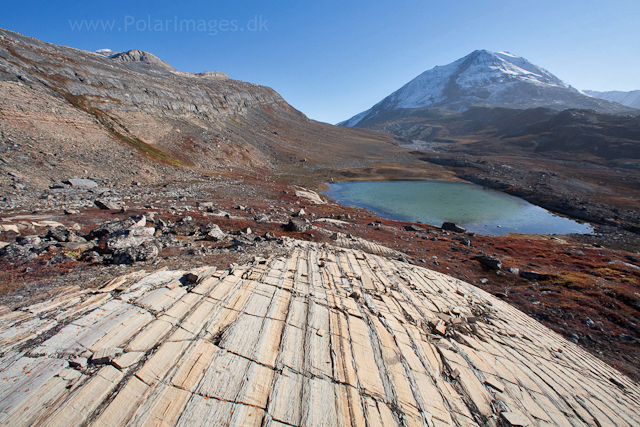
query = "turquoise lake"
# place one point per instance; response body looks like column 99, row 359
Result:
column 478, row 209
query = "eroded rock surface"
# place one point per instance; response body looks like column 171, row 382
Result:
column 322, row 336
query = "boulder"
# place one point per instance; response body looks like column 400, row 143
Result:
column 128, row 238
column 91, row 256
column 208, row 206
column 297, row 225
column 412, row 227
column 16, row 252
column 534, row 276
column 140, row 220
column 106, row 205
column 261, row 217
column 589, row 323
column 29, row 241
column 489, row 262
column 82, row 183
column 9, row 227
column 111, row 227
column 463, row 240
column 311, row 196
column 212, row 232
column 450, row 226
column 63, row 234
column 185, row 227
column 144, row 252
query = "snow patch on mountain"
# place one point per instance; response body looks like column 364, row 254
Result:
column 481, row 69
column 354, row 120
column 483, row 79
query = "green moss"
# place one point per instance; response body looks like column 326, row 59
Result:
column 107, row 121
column 148, row 150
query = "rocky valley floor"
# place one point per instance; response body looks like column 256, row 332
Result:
column 586, row 292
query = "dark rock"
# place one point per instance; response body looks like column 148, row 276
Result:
column 628, row 338
column 297, row 225
column 60, row 234
column 91, row 256
column 589, row 323
column 104, row 356
column 29, row 241
column 534, row 276
column 463, row 240
column 489, row 262
column 185, row 227
column 242, row 240
column 450, row 226
column 16, row 252
column 111, row 227
column 78, row 362
column 269, row 236
column 412, row 227
column 60, row 258
column 106, row 205
column 163, row 226
column 208, row 206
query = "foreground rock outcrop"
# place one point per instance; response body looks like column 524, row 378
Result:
column 322, row 336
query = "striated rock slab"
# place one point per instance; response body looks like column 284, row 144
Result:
column 324, row 336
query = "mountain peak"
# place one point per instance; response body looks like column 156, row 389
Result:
column 482, row 78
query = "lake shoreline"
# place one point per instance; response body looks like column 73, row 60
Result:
column 479, row 209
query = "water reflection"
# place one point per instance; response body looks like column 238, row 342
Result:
column 476, row 208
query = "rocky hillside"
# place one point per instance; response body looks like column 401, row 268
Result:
column 130, row 117
column 572, row 134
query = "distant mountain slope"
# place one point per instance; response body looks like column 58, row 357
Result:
column 630, row 99
column 131, row 117
column 485, row 79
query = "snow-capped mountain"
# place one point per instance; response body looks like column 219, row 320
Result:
column 482, row 78
column 630, row 99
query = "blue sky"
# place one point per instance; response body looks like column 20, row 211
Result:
column 334, row 59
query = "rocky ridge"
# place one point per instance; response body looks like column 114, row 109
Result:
column 68, row 113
